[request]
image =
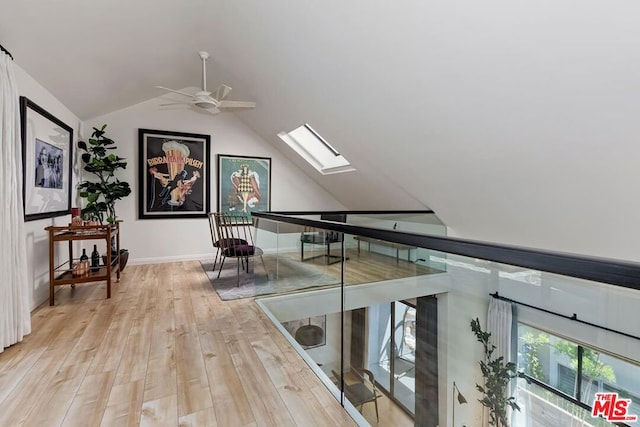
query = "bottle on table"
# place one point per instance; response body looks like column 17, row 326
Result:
column 84, row 262
column 95, row 259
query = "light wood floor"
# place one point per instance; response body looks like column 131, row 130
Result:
column 164, row 350
column 364, row 266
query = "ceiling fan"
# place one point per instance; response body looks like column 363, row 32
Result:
column 213, row 102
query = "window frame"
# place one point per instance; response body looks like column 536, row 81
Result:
column 316, row 150
column 577, row 398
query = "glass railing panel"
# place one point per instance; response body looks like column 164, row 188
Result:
column 295, row 257
column 311, row 317
column 423, row 223
column 382, row 293
column 312, row 322
column 417, row 223
column 420, row 222
column 372, row 260
column 409, row 328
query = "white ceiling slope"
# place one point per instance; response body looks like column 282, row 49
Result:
column 516, row 122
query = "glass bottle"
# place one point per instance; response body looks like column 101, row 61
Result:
column 95, row 259
column 84, row 262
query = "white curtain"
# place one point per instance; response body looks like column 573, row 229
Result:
column 499, row 318
column 15, row 319
column 499, row 325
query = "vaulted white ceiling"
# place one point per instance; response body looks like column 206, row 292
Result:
column 516, row 121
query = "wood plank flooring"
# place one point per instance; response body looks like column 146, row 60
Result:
column 163, row 351
column 364, row 266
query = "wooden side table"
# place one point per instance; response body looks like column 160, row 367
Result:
column 63, row 274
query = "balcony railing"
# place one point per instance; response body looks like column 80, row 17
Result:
column 388, row 295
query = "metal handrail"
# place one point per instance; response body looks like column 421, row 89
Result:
column 614, row 272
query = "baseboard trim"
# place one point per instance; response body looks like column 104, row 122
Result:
column 173, row 258
column 192, row 257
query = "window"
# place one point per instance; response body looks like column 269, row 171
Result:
column 566, row 380
column 392, row 332
column 565, row 376
column 408, row 345
column 312, row 147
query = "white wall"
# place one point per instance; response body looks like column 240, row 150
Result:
column 458, row 350
column 36, row 237
column 160, row 240
column 516, row 122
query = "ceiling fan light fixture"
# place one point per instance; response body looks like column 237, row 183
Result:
column 203, row 98
column 205, row 104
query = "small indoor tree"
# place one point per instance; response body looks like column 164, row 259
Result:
column 497, row 375
column 103, row 192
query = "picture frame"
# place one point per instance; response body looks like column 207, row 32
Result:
column 174, row 174
column 47, row 157
column 244, row 184
column 292, row 327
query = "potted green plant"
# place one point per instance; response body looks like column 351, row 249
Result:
column 106, row 189
column 497, row 375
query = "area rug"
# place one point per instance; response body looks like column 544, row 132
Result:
column 284, row 275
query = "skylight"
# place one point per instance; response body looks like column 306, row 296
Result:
column 316, row 150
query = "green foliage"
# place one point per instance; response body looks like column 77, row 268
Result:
column 102, row 193
column 531, row 358
column 592, row 368
column 497, row 375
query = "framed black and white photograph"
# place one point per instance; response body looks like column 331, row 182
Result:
column 47, row 154
column 173, row 174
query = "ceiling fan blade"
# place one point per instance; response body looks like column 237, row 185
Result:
column 212, row 102
column 174, row 103
column 221, row 92
column 236, row 104
column 175, row 91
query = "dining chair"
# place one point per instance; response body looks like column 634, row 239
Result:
column 359, row 388
column 215, row 238
column 236, row 241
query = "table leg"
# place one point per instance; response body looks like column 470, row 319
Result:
column 51, row 268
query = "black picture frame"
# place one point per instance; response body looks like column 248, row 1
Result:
column 47, row 156
column 174, row 174
column 258, row 198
